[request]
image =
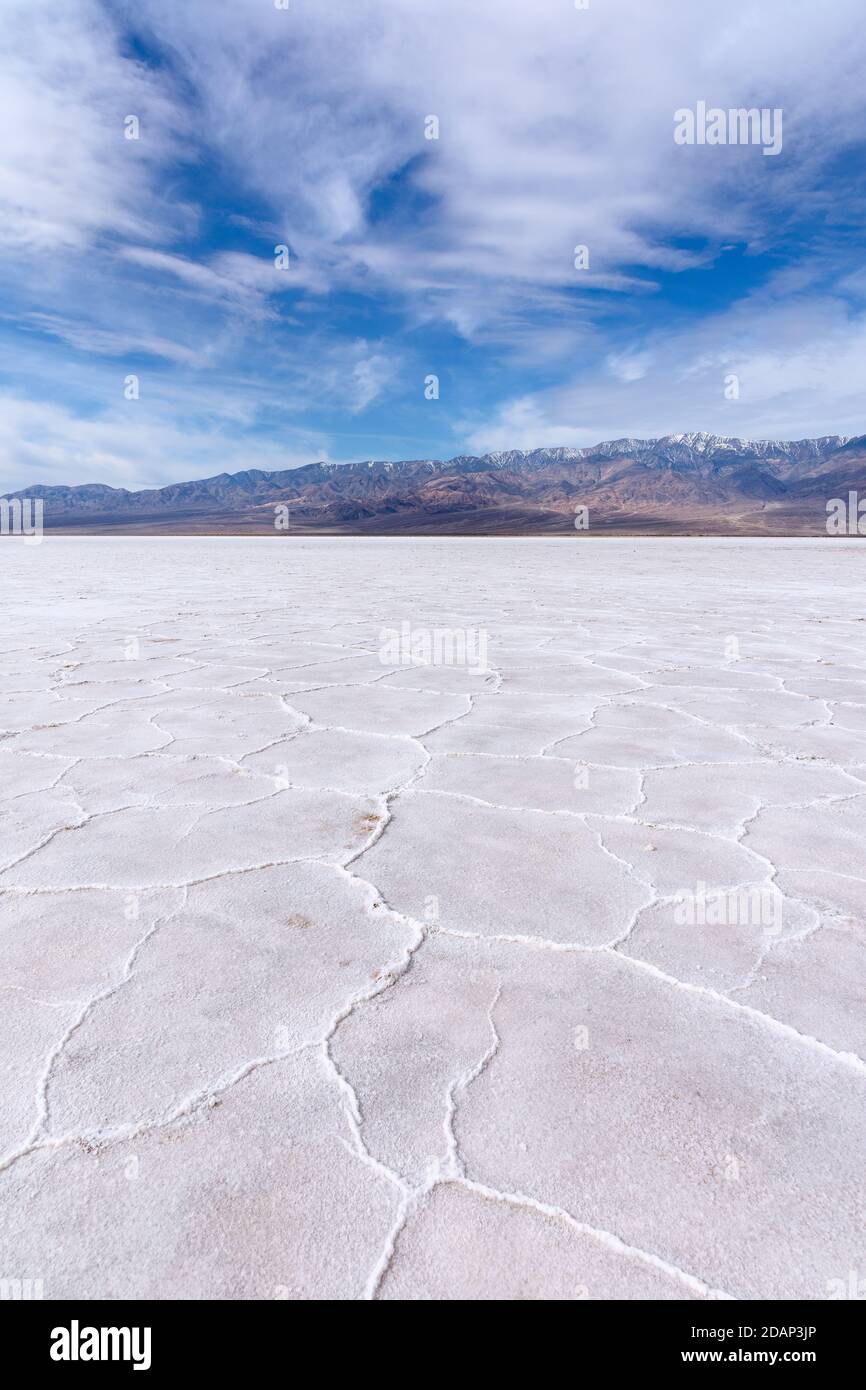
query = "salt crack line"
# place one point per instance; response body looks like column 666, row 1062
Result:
column 786, row 1030
column 454, row 1165
column 604, row 1237
column 848, row 1059
column 39, row 1130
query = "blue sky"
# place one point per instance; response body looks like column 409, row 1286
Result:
column 409, row 257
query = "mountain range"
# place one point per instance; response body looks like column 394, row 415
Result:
column 678, row 484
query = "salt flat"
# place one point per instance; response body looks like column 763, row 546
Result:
column 327, row 974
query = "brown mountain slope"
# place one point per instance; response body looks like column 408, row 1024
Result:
column 679, row 484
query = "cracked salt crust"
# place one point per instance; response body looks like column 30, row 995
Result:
column 323, row 978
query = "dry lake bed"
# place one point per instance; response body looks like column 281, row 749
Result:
column 442, row 919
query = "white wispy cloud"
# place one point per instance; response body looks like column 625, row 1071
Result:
column 370, row 376
column 556, row 126
column 555, row 130
column 112, row 343
column 68, row 175
column 798, row 365
column 134, row 447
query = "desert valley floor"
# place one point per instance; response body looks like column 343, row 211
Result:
column 326, row 974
